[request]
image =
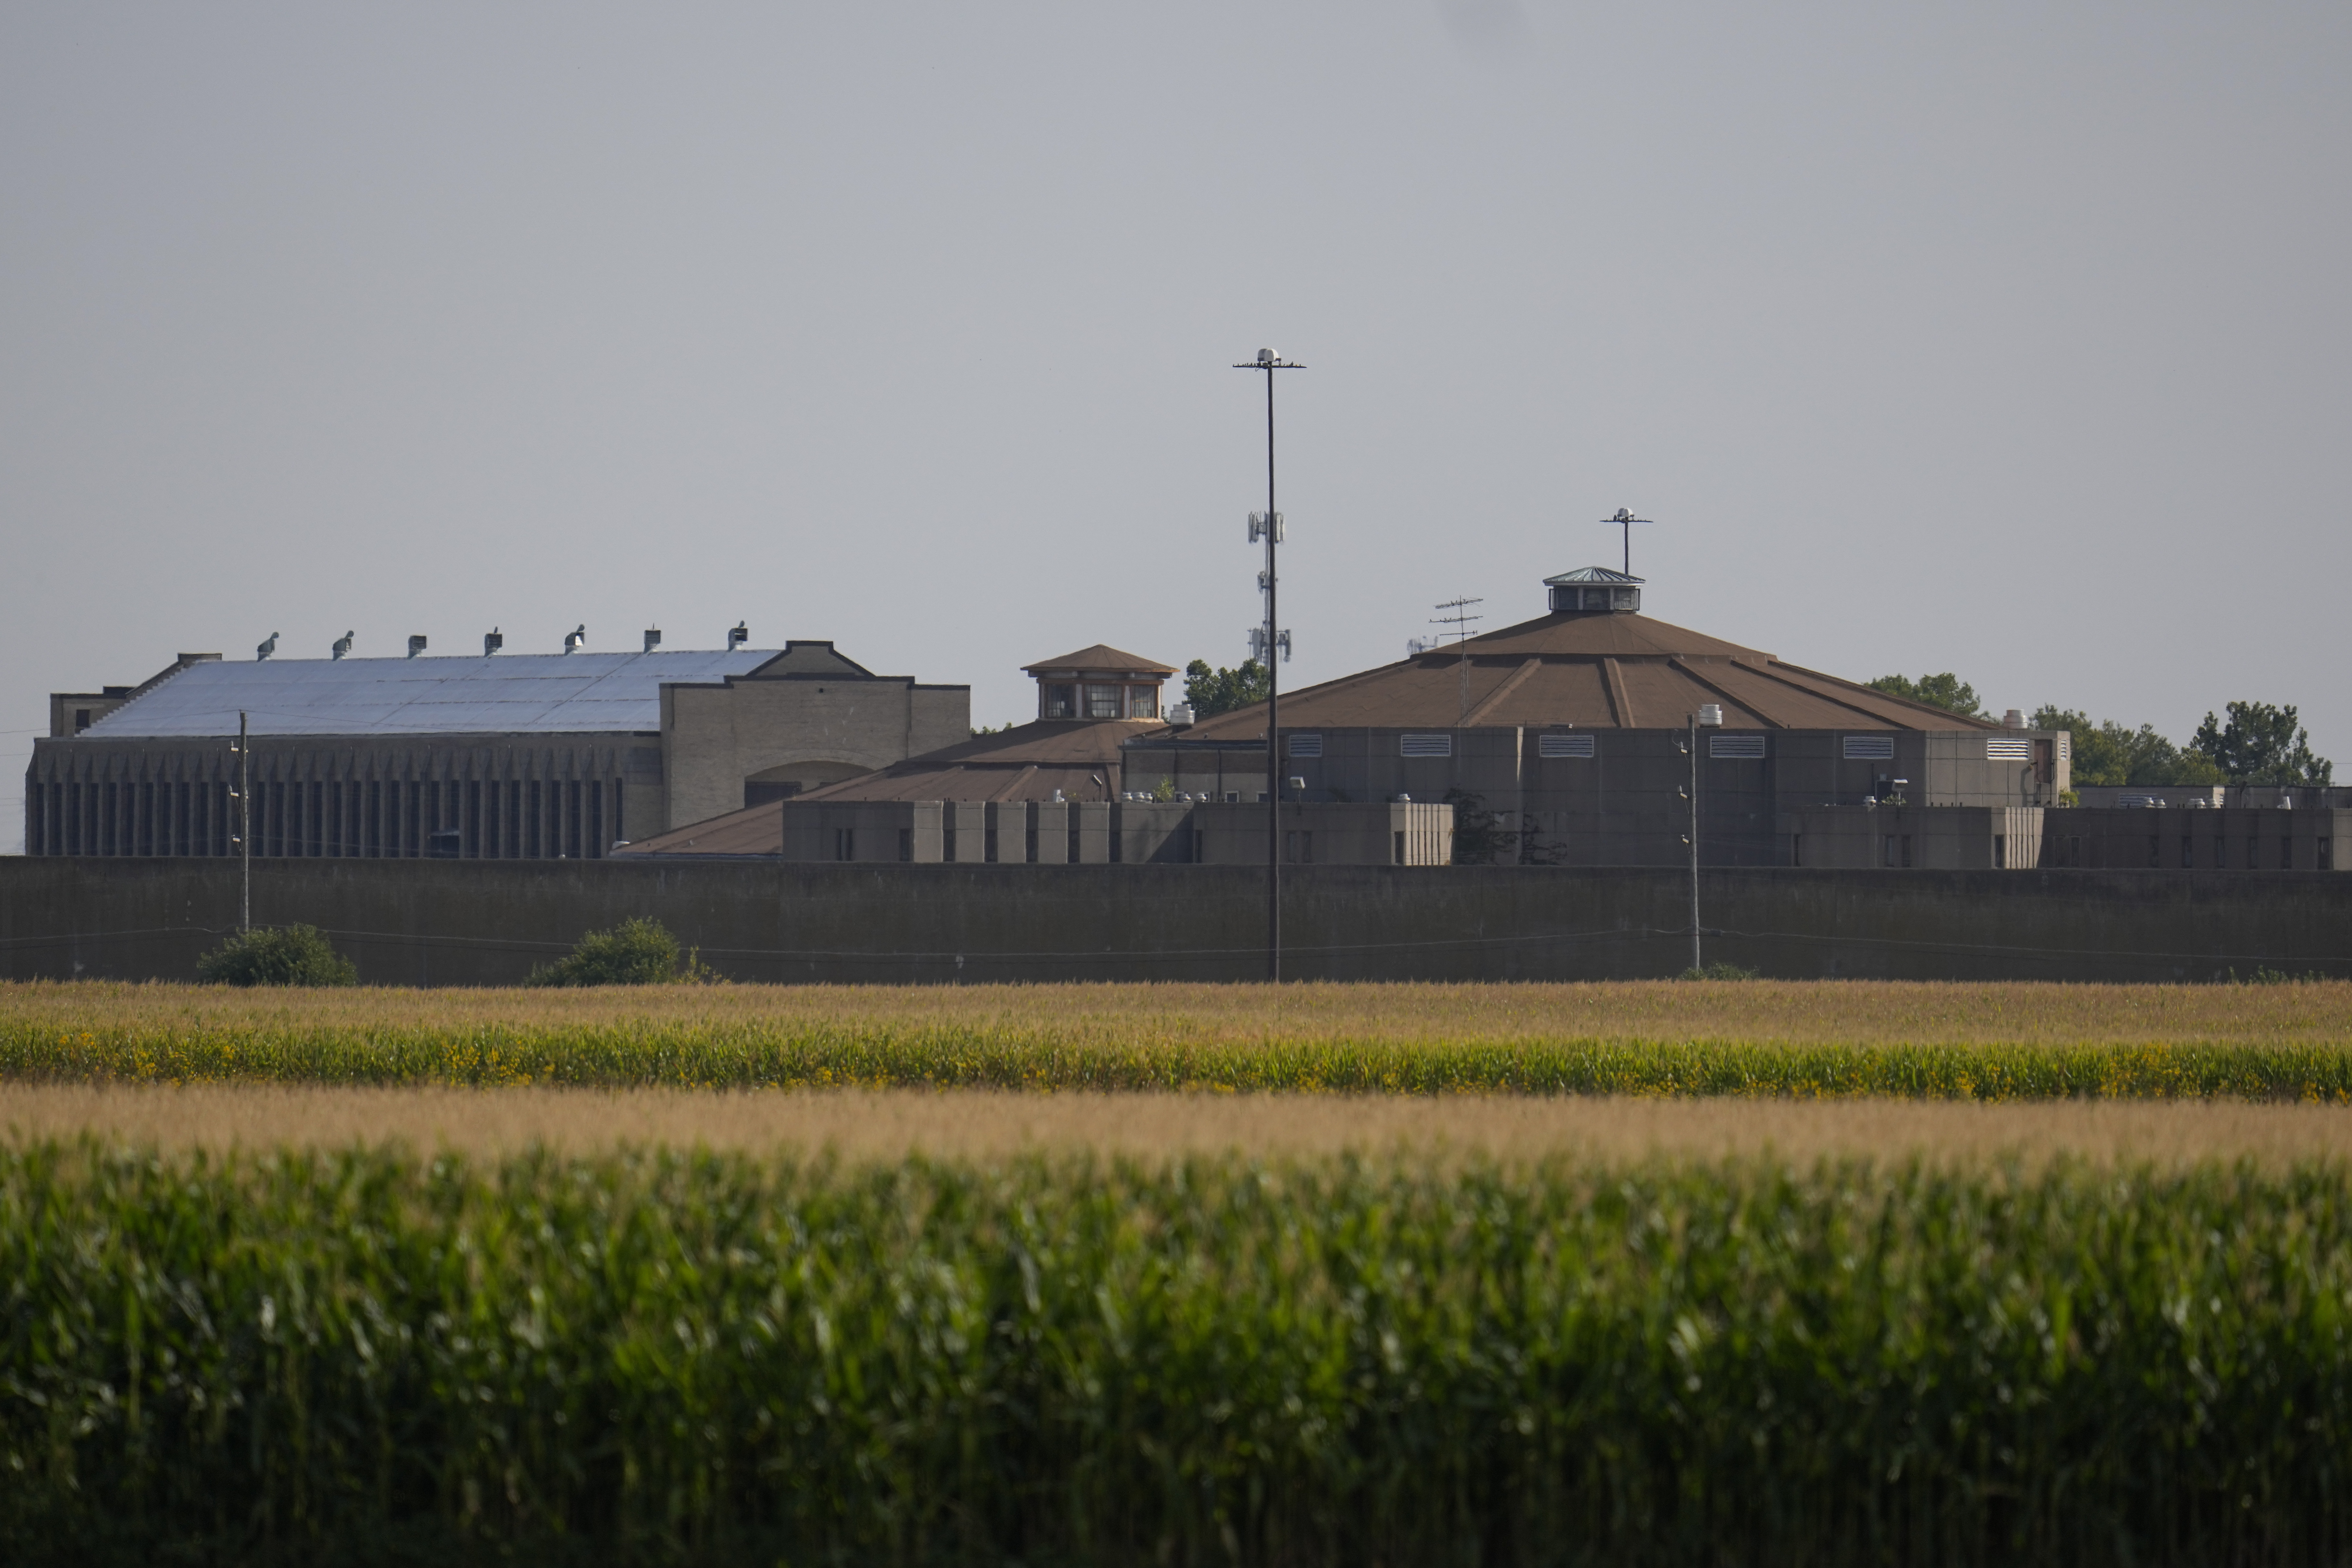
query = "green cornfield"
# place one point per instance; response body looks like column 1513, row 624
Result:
column 375, row 1355
column 1802, row 1039
column 949, row 1056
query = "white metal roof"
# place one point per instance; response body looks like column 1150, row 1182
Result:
column 540, row 693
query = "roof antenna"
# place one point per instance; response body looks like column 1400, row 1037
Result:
column 1459, row 620
column 573, row 641
column 1626, row 521
column 342, row 645
column 264, row 649
column 653, row 638
column 737, row 636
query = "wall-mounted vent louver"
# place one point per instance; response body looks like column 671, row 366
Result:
column 1425, row 745
column 1869, row 748
column 2009, row 751
column 1304, row 746
column 1735, row 745
column 1563, row 745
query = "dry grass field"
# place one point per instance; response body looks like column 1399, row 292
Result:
column 863, row 1127
column 2290, row 1041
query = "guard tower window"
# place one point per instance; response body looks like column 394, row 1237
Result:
column 1143, row 702
column 1102, row 701
column 1061, row 702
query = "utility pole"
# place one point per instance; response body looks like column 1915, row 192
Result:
column 1267, row 640
column 1711, row 715
column 245, row 821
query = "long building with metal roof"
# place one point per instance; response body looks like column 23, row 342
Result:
column 500, row 756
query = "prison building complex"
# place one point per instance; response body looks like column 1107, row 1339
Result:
column 1564, row 741
column 496, row 757
column 1054, row 792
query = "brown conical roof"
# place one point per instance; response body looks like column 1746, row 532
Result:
column 1591, row 672
column 1099, row 657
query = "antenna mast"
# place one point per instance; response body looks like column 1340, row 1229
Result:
column 1459, row 619
column 1625, row 522
column 1267, row 640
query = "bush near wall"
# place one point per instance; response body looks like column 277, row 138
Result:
column 369, row 1356
column 277, row 956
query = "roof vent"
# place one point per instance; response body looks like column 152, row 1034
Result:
column 576, row 638
column 415, row 644
column 1180, row 714
column 653, row 638
column 264, row 648
column 737, row 636
column 2012, row 720
column 492, row 640
column 342, row 645
column 1594, row 590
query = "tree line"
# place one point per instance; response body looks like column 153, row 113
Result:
column 2248, row 743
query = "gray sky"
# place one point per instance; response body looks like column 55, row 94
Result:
column 2010, row 339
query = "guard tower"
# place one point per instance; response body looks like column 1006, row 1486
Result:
column 1098, row 682
column 1594, row 590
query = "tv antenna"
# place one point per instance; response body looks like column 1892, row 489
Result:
column 1455, row 613
column 1625, row 522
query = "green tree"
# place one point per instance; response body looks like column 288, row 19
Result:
column 1214, row 691
column 277, row 956
column 1946, row 690
column 2260, row 745
column 636, row 953
column 2107, row 753
column 1478, row 833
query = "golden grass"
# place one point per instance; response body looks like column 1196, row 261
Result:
column 1824, row 1010
column 984, row 1125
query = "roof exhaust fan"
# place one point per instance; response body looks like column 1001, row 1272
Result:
column 342, row 645
column 264, row 648
column 737, row 636
column 653, row 638
column 492, row 640
column 415, row 644
column 576, row 639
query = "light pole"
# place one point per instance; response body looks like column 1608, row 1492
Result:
column 1710, row 715
column 1270, row 640
column 245, row 820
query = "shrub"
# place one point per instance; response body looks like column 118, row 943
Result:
column 1717, row 972
column 636, row 953
column 277, row 956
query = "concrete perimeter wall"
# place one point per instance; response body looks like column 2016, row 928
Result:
column 487, row 922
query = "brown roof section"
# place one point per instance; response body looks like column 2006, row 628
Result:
column 1099, row 657
column 1591, row 672
column 1029, row 762
column 754, row 830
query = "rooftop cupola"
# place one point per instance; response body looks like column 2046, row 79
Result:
column 1098, row 682
column 1594, row 590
